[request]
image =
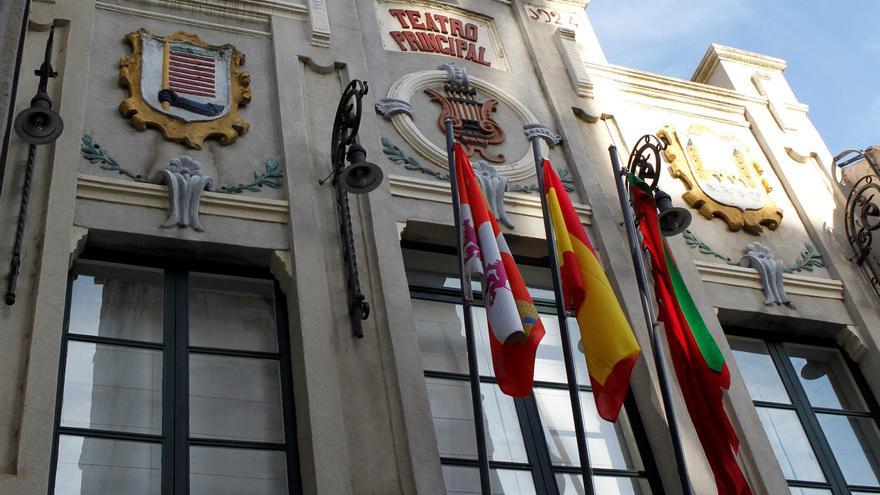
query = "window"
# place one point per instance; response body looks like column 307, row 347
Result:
column 173, row 382
column 530, row 441
column 820, row 421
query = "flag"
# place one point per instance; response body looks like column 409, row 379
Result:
column 515, row 328
column 607, row 340
column 699, row 365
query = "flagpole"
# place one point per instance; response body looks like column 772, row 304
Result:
column 536, row 132
column 650, row 319
column 466, row 302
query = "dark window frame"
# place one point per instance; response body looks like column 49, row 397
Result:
column 540, row 465
column 807, row 413
column 175, row 439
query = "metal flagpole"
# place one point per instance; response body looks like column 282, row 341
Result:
column 536, row 132
column 466, row 302
column 650, row 318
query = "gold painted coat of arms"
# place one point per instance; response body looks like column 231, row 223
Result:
column 186, row 88
column 722, row 178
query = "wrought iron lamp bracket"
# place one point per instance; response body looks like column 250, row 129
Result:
column 862, row 211
column 644, row 160
column 344, row 140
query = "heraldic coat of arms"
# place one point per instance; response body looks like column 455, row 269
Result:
column 722, row 178
column 187, row 89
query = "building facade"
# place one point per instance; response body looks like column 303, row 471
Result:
column 181, row 321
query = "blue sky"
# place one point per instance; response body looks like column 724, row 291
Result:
column 832, row 49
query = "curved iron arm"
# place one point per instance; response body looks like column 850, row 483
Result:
column 862, row 212
column 644, row 160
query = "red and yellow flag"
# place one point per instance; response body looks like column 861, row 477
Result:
column 607, row 340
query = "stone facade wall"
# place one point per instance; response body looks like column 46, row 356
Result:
column 362, row 412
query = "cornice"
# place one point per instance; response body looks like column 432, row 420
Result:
column 699, row 93
column 154, row 196
column 716, row 53
column 439, row 192
column 748, row 277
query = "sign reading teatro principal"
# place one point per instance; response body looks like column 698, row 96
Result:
column 416, row 27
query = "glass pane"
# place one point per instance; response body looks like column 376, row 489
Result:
column 235, row 398
column 454, row 421
column 117, row 301
column 825, row 379
column 811, row 491
column 790, row 444
column 232, row 313
column 94, row 465
column 757, row 368
column 224, row 471
column 111, row 387
column 549, row 365
column 466, row 481
column 440, row 330
column 856, row 446
column 573, row 484
column 610, row 445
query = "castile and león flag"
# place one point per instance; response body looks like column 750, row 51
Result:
column 515, row 328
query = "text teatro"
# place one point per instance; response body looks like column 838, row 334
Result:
column 435, row 33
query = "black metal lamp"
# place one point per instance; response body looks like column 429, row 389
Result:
column 361, row 176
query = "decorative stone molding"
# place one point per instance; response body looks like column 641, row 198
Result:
column 574, row 63
column 186, row 183
column 438, row 192
column 262, row 19
column 281, row 266
column 388, row 107
column 849, row 338
column 320, row 23
column 676, row 95
column 542, row 131
column 747, row 277
column 759, row 257
column 154, row 196
column 404, row 88
column 768, row 86
column 78, row 237
column 808, row 258
column 717, row 53
column 494, row 186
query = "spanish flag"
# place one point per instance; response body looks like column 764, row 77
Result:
column 606, row 337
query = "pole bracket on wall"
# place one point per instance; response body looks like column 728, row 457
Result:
column 360, row 177
column 35, row 125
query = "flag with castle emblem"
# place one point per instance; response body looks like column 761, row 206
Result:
column 515, row 328
column 607, row 340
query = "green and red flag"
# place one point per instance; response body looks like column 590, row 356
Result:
column 607, row 340
column 699, row 365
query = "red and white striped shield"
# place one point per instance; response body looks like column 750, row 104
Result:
column 186, row 80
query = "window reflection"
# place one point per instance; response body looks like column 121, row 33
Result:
column 453, row 417
column 607, row 444
column 856, row 445
column 790, row 444
column 758, row 371
column 825, row 378
column 461, row 480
